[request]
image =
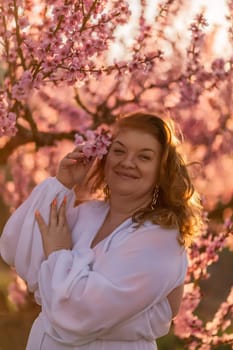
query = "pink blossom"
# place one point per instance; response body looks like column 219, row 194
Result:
column 94, row 143
column 186, row 323
column 17, row 291
column 218, row 67
column 57, row 44
column 24, row 22
column 7, row 118
column 8, row 124
column 78, row 139
column 189, row 93
column 22, row 89
column 197, row 29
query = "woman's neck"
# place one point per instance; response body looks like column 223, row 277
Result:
column 122, row 207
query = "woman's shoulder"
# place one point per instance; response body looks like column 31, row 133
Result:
column 155, row 235
column 158, row 230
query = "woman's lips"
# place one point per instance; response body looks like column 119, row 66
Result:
column 126, row 175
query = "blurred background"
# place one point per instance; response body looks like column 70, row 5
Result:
column 66, row 67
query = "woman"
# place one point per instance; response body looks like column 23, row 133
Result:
column 108, row 274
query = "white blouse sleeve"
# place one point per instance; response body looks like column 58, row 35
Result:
column 20, row 242
column 84, row 300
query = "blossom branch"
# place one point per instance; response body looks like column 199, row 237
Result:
column 88, row 15
column 18, row 36
column 81, row 103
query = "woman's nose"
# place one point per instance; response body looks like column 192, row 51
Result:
column 128, row 161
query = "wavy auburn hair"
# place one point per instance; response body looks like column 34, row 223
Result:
column 178, row 204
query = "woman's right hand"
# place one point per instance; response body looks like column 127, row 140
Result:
column 73, row 168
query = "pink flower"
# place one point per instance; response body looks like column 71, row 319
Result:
column 17, row 291
column 78, row 139
column 7, row 119
column 94, row 144
column 218, row 67
column 189, row 93
column 23, row 22
column 22, row 89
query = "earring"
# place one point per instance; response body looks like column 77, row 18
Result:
column 154, row 197
column 106, row 192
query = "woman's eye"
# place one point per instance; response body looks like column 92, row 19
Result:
column 118, row 151
column 144, row 157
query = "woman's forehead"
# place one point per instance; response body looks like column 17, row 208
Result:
column 134, row 137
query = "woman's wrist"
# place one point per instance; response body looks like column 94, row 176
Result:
column 64, row 183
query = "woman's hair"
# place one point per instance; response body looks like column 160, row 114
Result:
column 178, row 204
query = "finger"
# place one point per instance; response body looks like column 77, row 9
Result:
column 77, row 154
column 79, row 147
column 72, row 159
column 62, row 212
column 67, row 162
column 53, row 213
column 41, row 223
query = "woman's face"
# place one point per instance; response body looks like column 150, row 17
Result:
column 133, row 163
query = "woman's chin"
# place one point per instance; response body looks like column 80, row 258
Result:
column 122, row 191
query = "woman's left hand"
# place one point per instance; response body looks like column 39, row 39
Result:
column 56, row 235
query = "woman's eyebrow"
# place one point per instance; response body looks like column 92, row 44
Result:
column 141, row 150
column 116, row 141
column 147, row 149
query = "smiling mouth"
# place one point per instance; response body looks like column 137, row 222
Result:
column 126, row 176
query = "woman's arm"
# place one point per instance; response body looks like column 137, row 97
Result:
column 20, row 242
column 175, row 298
column 83, row 303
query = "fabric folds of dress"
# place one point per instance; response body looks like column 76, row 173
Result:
column 111, row 297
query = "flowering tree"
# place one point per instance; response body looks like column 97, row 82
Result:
column 69, row 66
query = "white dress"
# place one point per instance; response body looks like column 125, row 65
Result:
column 112, row 297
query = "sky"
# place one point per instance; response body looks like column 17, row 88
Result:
column 216, row 11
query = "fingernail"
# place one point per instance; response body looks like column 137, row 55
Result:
column 54, row 202
column 37, row 214
column 73, row 161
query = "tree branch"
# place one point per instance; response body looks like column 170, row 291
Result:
column 25, row 136
column 80, row 102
